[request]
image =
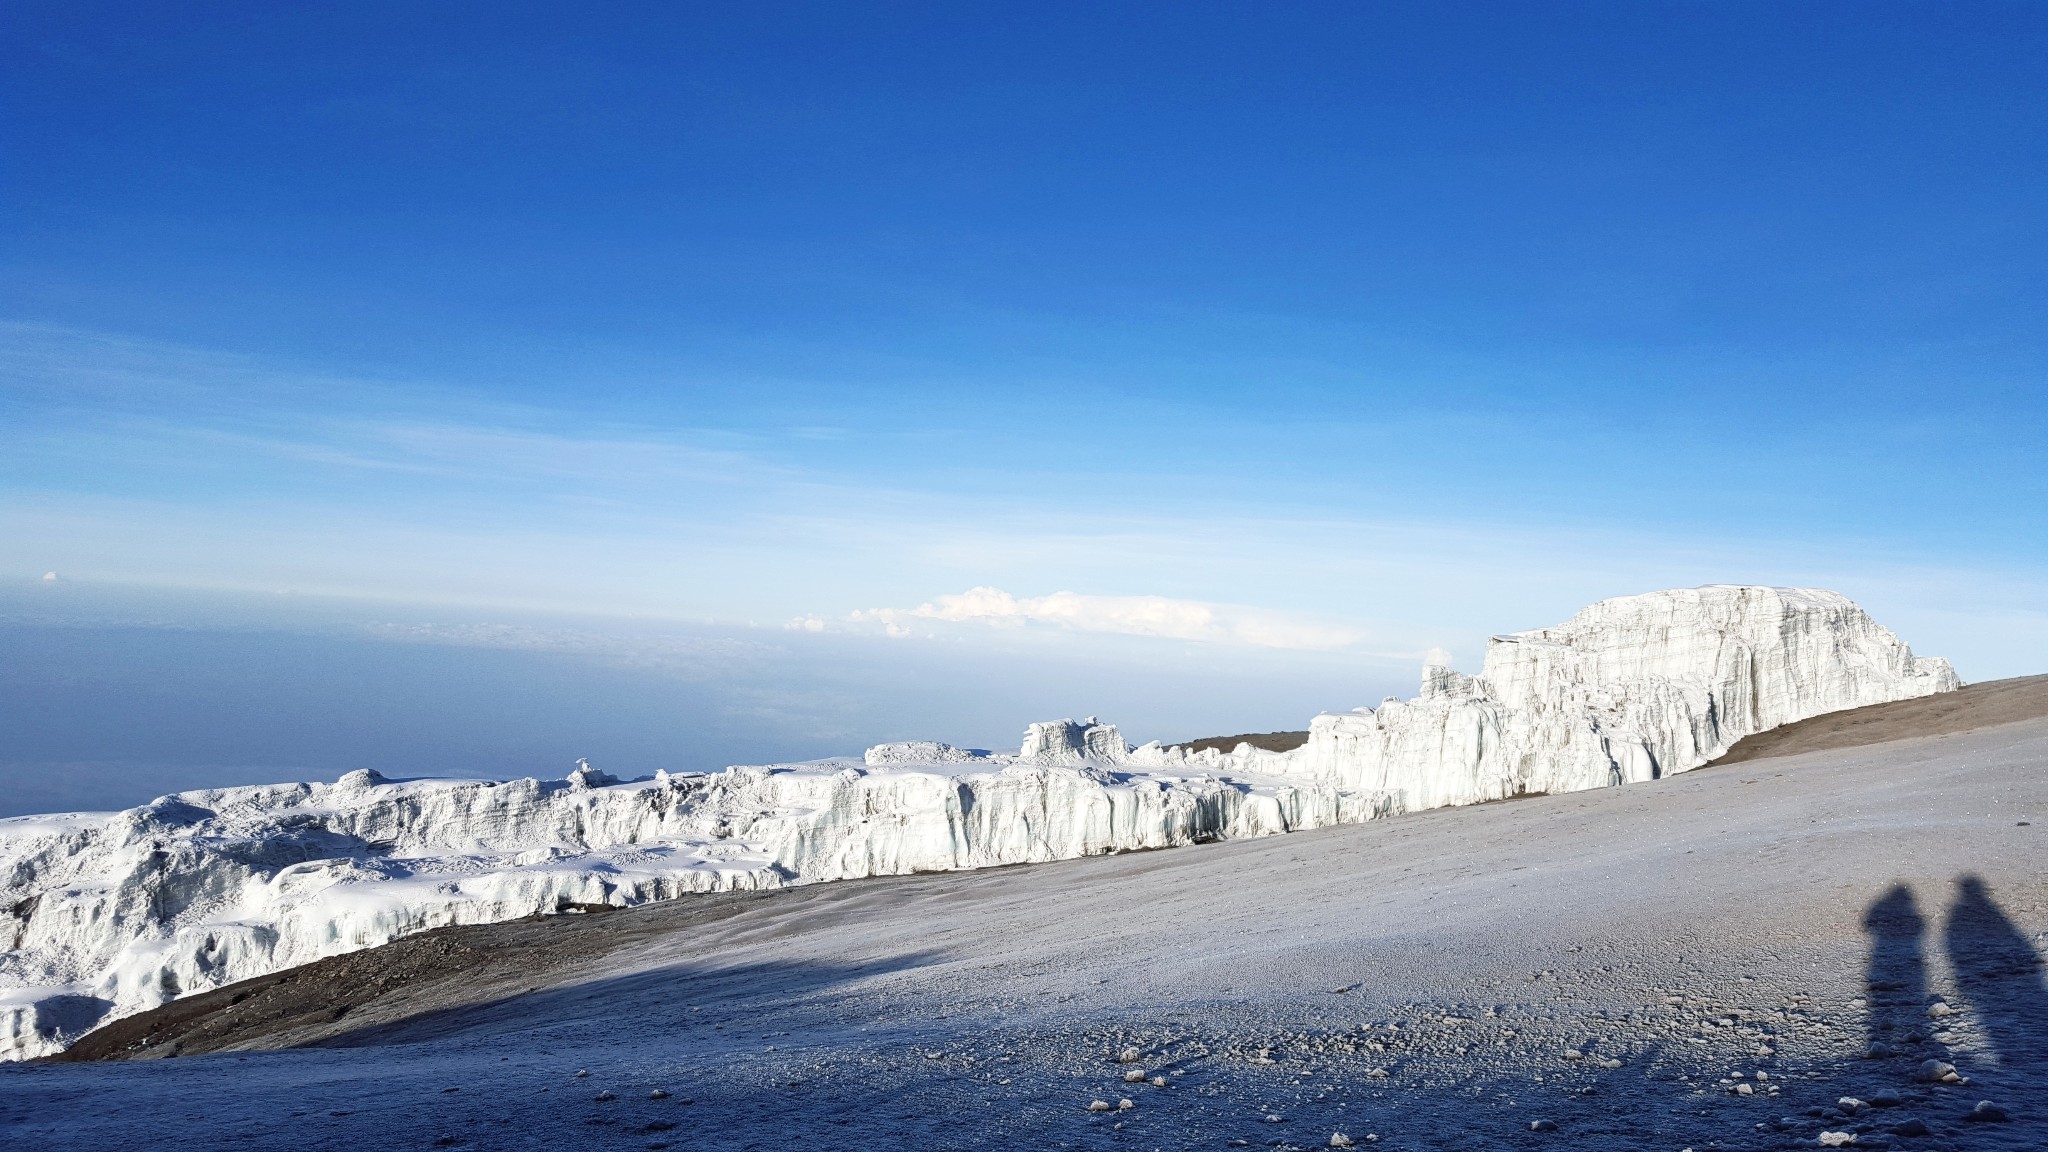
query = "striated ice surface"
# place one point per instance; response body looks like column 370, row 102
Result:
column 108, row 914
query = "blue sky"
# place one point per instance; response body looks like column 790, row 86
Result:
column 1362, row 328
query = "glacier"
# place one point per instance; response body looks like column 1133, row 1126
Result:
column 109, row 914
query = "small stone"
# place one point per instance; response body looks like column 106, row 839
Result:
column 606, row 1095
column 1762, row 1076
column 1913, row 1127
column 1940, row 1008
column 1574, row 1054
column 1125, row 1105
column 1340, row 1140
column 1610, row 1063
column 1837, row 1139
column 1933, row 1071
column 1159, row 1081
column 1135, row 1076
column 1542, row 1125
column 658, row 1094
column 1129, row 1056
column 1098, row 1105
column 1743, row 1090
column 1274, row 1118
column 1850, row 1105
column 1886, row 1098
column 1988, row 1113
column 583, row 1073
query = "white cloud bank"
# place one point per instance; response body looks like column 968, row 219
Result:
column 1159, row 616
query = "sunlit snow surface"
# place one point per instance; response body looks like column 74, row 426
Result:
column 114, row 913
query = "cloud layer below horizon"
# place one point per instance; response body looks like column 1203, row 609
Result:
column 1158, row 616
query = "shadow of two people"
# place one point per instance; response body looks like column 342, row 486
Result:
column 1998, row 982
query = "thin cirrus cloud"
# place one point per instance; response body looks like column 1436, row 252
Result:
column 1157, row 616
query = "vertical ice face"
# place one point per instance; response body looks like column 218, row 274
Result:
column 1074, row 742
column 1628, row 689
column 106, row 914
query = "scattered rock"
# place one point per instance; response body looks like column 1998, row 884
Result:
column 658, row 1094
column 1886, row 1098
column 605, row 1095
column 1940, row 1008
column 1274, row 1118
column 1129, row 1056
column 1098, row 1105
column 1159, row 1081
column 1135, row 1076
column 1913, row 1127
column 1340, row 1140
column 1850, row 1105
column 1837, row 1139
column 583, row 1073
column 1542, row 1125
column 1935, row 1071
column 1988, row 1113
column 1125, row 1105
column 1743, row 1089
column 1610, row 1063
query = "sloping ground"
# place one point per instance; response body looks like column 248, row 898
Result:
column 1973, row 706
column 428, row 972
column 1715, row 959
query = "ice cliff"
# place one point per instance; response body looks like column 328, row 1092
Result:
column 107, row 914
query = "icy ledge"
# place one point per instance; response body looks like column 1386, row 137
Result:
column 108, row 914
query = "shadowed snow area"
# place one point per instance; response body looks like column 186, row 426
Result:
column 1781, row 953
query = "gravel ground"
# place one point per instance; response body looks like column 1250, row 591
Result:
column 1761, row 955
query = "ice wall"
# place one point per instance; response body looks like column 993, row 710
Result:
column 107, row 914
column 1629, row 689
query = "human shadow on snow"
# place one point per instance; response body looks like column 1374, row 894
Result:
column 1987, row 1045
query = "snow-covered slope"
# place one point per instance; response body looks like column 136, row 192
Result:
column 113, row 913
